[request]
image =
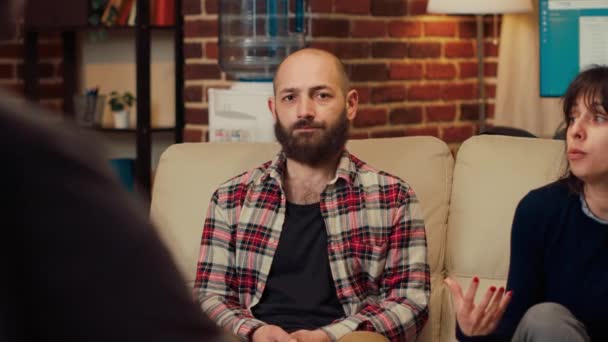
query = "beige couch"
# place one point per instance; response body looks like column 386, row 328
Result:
column 468, row 204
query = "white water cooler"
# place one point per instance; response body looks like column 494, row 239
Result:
column 254, row 37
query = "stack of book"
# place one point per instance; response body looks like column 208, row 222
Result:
column 123, row 12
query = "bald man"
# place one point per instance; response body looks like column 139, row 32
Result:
column 314, row 245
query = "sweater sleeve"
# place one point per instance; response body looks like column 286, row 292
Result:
column 526, row 278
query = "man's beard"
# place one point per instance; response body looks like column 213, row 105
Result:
column 315, row 147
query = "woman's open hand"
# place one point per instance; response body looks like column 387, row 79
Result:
column 480, row 319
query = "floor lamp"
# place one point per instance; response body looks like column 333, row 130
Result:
column 479, row 8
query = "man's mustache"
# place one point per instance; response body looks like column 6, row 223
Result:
column 307, row 123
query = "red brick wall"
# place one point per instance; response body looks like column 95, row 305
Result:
column 416, row 73
column 49, row 68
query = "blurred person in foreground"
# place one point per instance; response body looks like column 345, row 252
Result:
column 79, row 260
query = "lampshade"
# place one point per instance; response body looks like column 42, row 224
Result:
column 478, row 6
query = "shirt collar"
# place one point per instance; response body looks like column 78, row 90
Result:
column 346, row 170
column 588, row 211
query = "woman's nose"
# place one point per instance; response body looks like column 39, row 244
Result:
column 577, row 128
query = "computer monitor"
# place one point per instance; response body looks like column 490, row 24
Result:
column 573, row 36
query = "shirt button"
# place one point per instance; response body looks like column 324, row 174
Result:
column 260, row 285
column 272, row 240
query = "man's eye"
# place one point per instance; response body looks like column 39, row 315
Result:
column 324, row 96
column 288, row 98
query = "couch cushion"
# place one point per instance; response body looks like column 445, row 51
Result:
column 491, row 175
column 188, row 174
column 426, row 163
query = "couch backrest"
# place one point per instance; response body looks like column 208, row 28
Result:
column 426, row 163
column 491, row 175
column 186, row 177
column 188, row 174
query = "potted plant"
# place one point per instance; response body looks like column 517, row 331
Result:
column 121, row 105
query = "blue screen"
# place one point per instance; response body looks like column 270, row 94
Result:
column 572, row 33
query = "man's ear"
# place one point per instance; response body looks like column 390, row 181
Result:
column 352, row 104
column 271, row 107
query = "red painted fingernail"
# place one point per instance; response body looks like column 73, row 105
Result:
column 509, row 293
column 502, row 289
column 475, row 279
column 492, row 288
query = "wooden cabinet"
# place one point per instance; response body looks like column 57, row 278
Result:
column 70, row 17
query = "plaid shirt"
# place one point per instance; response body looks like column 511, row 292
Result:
column 376, row 245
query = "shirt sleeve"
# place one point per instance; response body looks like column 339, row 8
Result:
column 402, row 310
column 216, row 283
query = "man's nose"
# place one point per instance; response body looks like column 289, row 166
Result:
column 306, row 107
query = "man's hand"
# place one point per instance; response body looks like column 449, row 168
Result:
column 271, row 333
column 311, row 336
column 481, row 319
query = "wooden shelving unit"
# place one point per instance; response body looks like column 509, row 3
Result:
column 70, row 17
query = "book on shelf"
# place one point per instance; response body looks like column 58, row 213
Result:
column 164, row 12
column 110, row 14
column 97, row 10
column 133, row 14
column 125, row 12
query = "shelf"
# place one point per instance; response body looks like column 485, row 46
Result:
column 74, row 15
column 71, row 18
column 99, row 28
column 131, row 130
column 127, row 28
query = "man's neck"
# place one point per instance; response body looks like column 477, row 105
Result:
column 596, row 196
column 304, row 183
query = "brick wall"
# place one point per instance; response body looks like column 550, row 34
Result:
column 49, row 68
column 415, row 73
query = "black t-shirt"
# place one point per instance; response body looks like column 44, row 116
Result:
column 300, row 292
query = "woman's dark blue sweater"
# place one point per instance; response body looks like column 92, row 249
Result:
column 558, row 254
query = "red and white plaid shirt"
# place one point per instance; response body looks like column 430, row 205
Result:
column 376, row 245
